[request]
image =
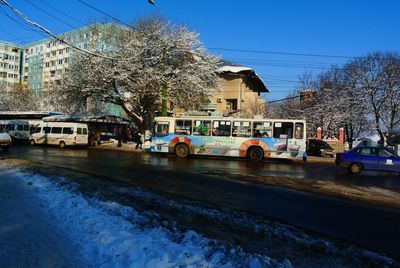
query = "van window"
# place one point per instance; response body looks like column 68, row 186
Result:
column 46, row 129
column 56, row 130
column 38, row 130
column 85, row 131
column 68, row 130
column 79, row 131
column 26, row 127
column 20, row 127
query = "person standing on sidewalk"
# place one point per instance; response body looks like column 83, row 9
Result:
column 138, row 139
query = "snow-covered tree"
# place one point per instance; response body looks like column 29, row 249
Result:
column 377, row 76
column 151, row 62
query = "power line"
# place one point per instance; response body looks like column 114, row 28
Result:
column 279, row 52
column 29, row 21
column 48, row 13
column 104, row 13
column 62, row 12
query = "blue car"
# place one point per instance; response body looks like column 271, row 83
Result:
column 369, row 158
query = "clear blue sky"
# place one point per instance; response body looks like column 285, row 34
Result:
column 343, row 28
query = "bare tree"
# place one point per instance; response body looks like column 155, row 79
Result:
column 18, row 99
column 378, row 77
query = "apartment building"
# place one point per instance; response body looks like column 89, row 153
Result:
column 45, row 61
column 10, row 64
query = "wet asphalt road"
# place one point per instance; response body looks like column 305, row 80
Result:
column 369, row 226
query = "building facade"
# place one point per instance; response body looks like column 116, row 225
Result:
column 240, row 93
column 10, row 66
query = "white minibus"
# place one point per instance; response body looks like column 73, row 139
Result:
column 60, row 133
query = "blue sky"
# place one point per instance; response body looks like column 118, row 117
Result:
column 336, row 28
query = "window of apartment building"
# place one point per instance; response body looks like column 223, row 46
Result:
column 47, row 64
column 14, row 50
column 60, row 61
column 31, row 50
column 41, row 48
column 3, row 74
column 15, row 76
column 67, row 50
column 54, row 53
column 53, row 63
column 59, row 71
column 48, row 54
column 54, row 43
column 60, row 51
column 231, row 104
column 48, row 45
column 66, row 60
column 52, row 73
column 10, row 76
column 26, row 60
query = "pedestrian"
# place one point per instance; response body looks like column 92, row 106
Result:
column 138, row 140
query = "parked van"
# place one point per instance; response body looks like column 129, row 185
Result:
column 60, row 133
column 17, row 129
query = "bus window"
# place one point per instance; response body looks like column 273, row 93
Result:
column 262, row 129
column 162, row 129
column 26, row 127
column 46, row 130
column 38, row 130
column 283, row 128
column 241, row 129
column 183, row 127
column 221, row 128
column 299, row 130
column 202, row 127
column 20, row 127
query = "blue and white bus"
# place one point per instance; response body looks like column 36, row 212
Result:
column 255, row 139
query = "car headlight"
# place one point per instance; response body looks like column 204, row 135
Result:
column 322, row 150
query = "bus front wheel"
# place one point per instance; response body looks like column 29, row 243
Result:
column 255, row 154
column 182, row 150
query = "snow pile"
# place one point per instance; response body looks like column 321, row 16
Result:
column 111, row 235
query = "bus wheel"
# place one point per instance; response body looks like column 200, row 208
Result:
column 181, row 150
column 255, row 154
column 32, row 142
column 355, row 168
column 62, row 145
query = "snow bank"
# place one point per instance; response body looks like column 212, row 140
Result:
column 111, row 235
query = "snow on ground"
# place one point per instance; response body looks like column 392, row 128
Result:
column 105, row 237
column 106, row 233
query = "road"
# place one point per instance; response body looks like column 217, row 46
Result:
column 369, row 226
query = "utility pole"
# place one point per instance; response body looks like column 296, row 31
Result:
column 164, row 86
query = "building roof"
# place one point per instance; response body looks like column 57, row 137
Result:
column 248, row 73
column 113, row 119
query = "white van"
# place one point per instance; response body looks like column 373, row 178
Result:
column 60, row 133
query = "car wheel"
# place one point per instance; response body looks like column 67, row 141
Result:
column 62, row 145
column 355, row 168
column 32, row 142
column 255, row 154
column 182, row 150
